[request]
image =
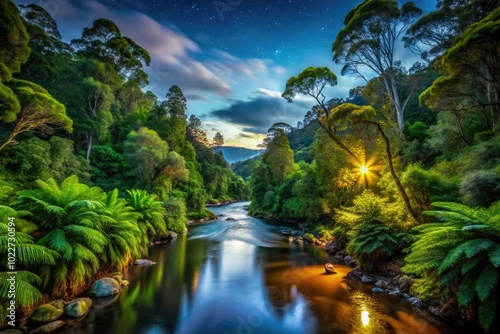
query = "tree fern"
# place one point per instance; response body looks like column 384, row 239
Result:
column 68, row 217
column 463, row 251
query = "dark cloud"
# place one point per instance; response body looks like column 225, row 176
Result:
column 196, row 97
column 243, row 135
column 258, row 114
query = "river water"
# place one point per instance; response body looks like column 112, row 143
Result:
column 243, row 277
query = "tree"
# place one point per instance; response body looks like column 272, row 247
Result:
column 311, row 82
column 39, row 111
column 104, row 42
column 218, row 141
column 14, row 38
column 119, row 225
column 438, row 29
column 145, row 152
column 67, row 216
column 370, row 40
column 195, row 134
column 177, row 119
column 278, row 155
column 470, row 74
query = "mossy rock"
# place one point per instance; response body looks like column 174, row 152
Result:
column 104, row 287
column 58, row 304
column 125, row 282
column 78, row 307
column 48, row 328
column 46, row 313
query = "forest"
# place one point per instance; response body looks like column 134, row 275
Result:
column 406, row 169
column 93, row 168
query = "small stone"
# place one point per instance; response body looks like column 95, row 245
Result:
column 415, row 301
column 143, row 262
column 48, row 327
column 395, row 292
column 406, row 296
column 435, row 310
column 367, row 279
column 376, row 289
column 125, row 282
column 173, row 235
column 381, row 283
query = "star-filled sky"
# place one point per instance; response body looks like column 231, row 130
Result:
column 231, row 58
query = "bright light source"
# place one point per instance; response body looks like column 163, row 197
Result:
column 364, row 169
column 365, row 318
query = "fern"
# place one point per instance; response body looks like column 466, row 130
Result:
column 463, row 248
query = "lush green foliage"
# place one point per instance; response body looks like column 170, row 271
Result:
column 459, row 255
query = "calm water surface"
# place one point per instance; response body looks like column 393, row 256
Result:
column 243, row 277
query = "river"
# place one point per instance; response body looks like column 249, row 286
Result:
column 243, row 277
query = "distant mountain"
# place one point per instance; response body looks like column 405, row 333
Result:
column 235, row 154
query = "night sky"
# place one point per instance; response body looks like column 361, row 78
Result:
column 231, row 58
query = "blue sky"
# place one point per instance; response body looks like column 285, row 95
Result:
column 231, row 58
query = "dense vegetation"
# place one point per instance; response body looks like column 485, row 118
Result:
column 408, row 166
column 93, row 168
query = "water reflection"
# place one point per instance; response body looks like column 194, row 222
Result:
column 243, row 277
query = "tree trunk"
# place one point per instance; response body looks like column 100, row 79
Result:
column 399, row 185
column 89, row 145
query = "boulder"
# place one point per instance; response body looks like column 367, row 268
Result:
column 49, row 327
column 330, row 269
column 404, row 283
column 377, row 289
column 78, row 307
column 105, row 287
column 172, row 235
column 125, row 282
column 230, row 219
column 46, row 313
column 367, row 279
column 143, row 262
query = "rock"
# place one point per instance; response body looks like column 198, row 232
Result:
column 172, row 235
column 415, row 301
column 58, row 304
column 308, row 237
column 367, row 279
column 48, row 327
column 125, row 282
column 183, row 231
column 330, row 269
column 395, row 292
column 46, row 313
column 11, row 331
column 435, row 310
column 404, row 283
column 285, row 231
column 377, row 289
column 348, row 259
column 115, row 274
column 406, row 296
column 383, row 284
column 230, row 219
column 105, row 287
column 143, row 262
column 78, row 307
column 354, row 274
column 332, row 248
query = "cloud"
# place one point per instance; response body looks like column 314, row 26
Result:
column 259, row 113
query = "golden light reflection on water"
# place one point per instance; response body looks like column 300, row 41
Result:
column 365, row 318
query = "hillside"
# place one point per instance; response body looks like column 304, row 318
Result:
column 234, row 154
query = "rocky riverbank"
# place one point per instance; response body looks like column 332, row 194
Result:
column 390, row 279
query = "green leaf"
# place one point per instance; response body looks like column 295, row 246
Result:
column 466, row 291
column 494, row 255
column 486, row 282
column 487, row 312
